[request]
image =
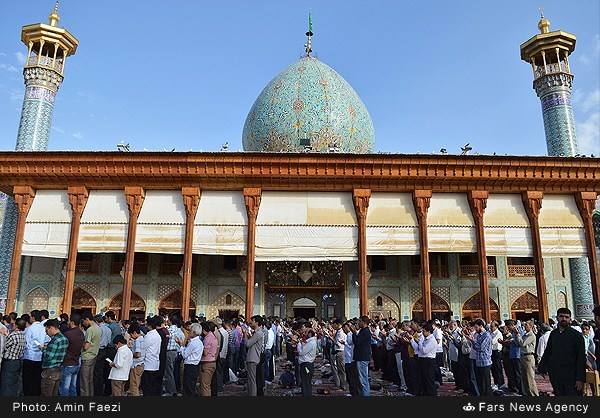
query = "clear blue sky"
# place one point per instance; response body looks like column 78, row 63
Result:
column 184, row 74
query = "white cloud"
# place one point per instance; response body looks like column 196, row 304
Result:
column 21, row 57
column 586, row 101
column 588, row 135
column 587, row 58
column 59, row 130
column 10, row 68
column 2, row 54
column 77, row 135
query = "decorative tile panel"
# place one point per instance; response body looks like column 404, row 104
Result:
column 7, row 240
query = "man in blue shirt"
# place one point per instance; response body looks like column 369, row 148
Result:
column 482, row 344
column 515, row 357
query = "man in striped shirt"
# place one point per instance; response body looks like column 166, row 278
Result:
column 11, row 360
column 53, row 355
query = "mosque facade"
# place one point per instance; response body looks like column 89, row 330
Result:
column 307, row 220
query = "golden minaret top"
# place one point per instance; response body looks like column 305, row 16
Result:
column 54, row 17
column 544, row 24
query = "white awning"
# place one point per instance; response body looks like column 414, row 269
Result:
column 161, row 223
column 392, row 227
column 506, row 227
column 450, row 225
column 48, row 225
column 562, row 233
column 306, row 226
column 104, row 223
column 221, row 223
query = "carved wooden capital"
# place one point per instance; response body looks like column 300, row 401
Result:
column 252, row 197
column 361, row 197
column 422, row 200
column 134, row 196
column 78, row 197
column 23, row 198
column 191, row 200
column 586, row 202
column 478, row 203
column 533, row 203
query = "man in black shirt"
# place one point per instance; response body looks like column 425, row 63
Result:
column 564, row 357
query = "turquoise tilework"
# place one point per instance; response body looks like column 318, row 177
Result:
column 308, row 100
column 36, row 120
column 9, row 229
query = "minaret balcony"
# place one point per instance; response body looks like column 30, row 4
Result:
column 54, row 64
column 551, row 69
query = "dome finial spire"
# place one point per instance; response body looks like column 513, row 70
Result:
column 54, row 17
column 544, row 24
column 309, row 34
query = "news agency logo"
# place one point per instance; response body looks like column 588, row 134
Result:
column 468, row 407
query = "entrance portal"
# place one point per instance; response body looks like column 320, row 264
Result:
column 304, row 313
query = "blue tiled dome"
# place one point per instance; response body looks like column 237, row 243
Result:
column 308, row 101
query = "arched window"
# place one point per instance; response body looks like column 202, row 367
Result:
column 379, row 301
column 228, row 299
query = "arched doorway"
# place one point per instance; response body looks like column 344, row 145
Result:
column 82, row 302
column 304, row 308
column 472, row 307
column 37, row 298
column 383, row 307
column 227, row 305
column 171, row 304
column 137, row 306
column 439, row 309
column 525, row 307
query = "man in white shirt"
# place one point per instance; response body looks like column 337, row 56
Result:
column 151, row 378
column 427, row 348
column 307, row 352
column 543, row 340
column 269, row 363
column 120, row 366
column 35, row 336
column 350, row 364
column 191, row 353
column 338, row 363
column 439, row 351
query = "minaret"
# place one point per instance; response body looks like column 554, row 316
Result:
column 548, row 53
column 48, row 47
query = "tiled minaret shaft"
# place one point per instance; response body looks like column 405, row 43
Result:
column 548, row 53
column 48, row 47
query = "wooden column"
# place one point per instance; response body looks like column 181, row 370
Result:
column 78, row 197
column 252, row 200
column 586, row 202
column 421, row 201
column 361, row 198
column 135, row 198
column 23, row 198
column 478, row 203
column 191, row 200
column 532, row 201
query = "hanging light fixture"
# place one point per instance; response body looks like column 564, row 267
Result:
column 305, row 271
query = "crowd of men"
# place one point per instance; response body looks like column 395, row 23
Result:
column 97, row 355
